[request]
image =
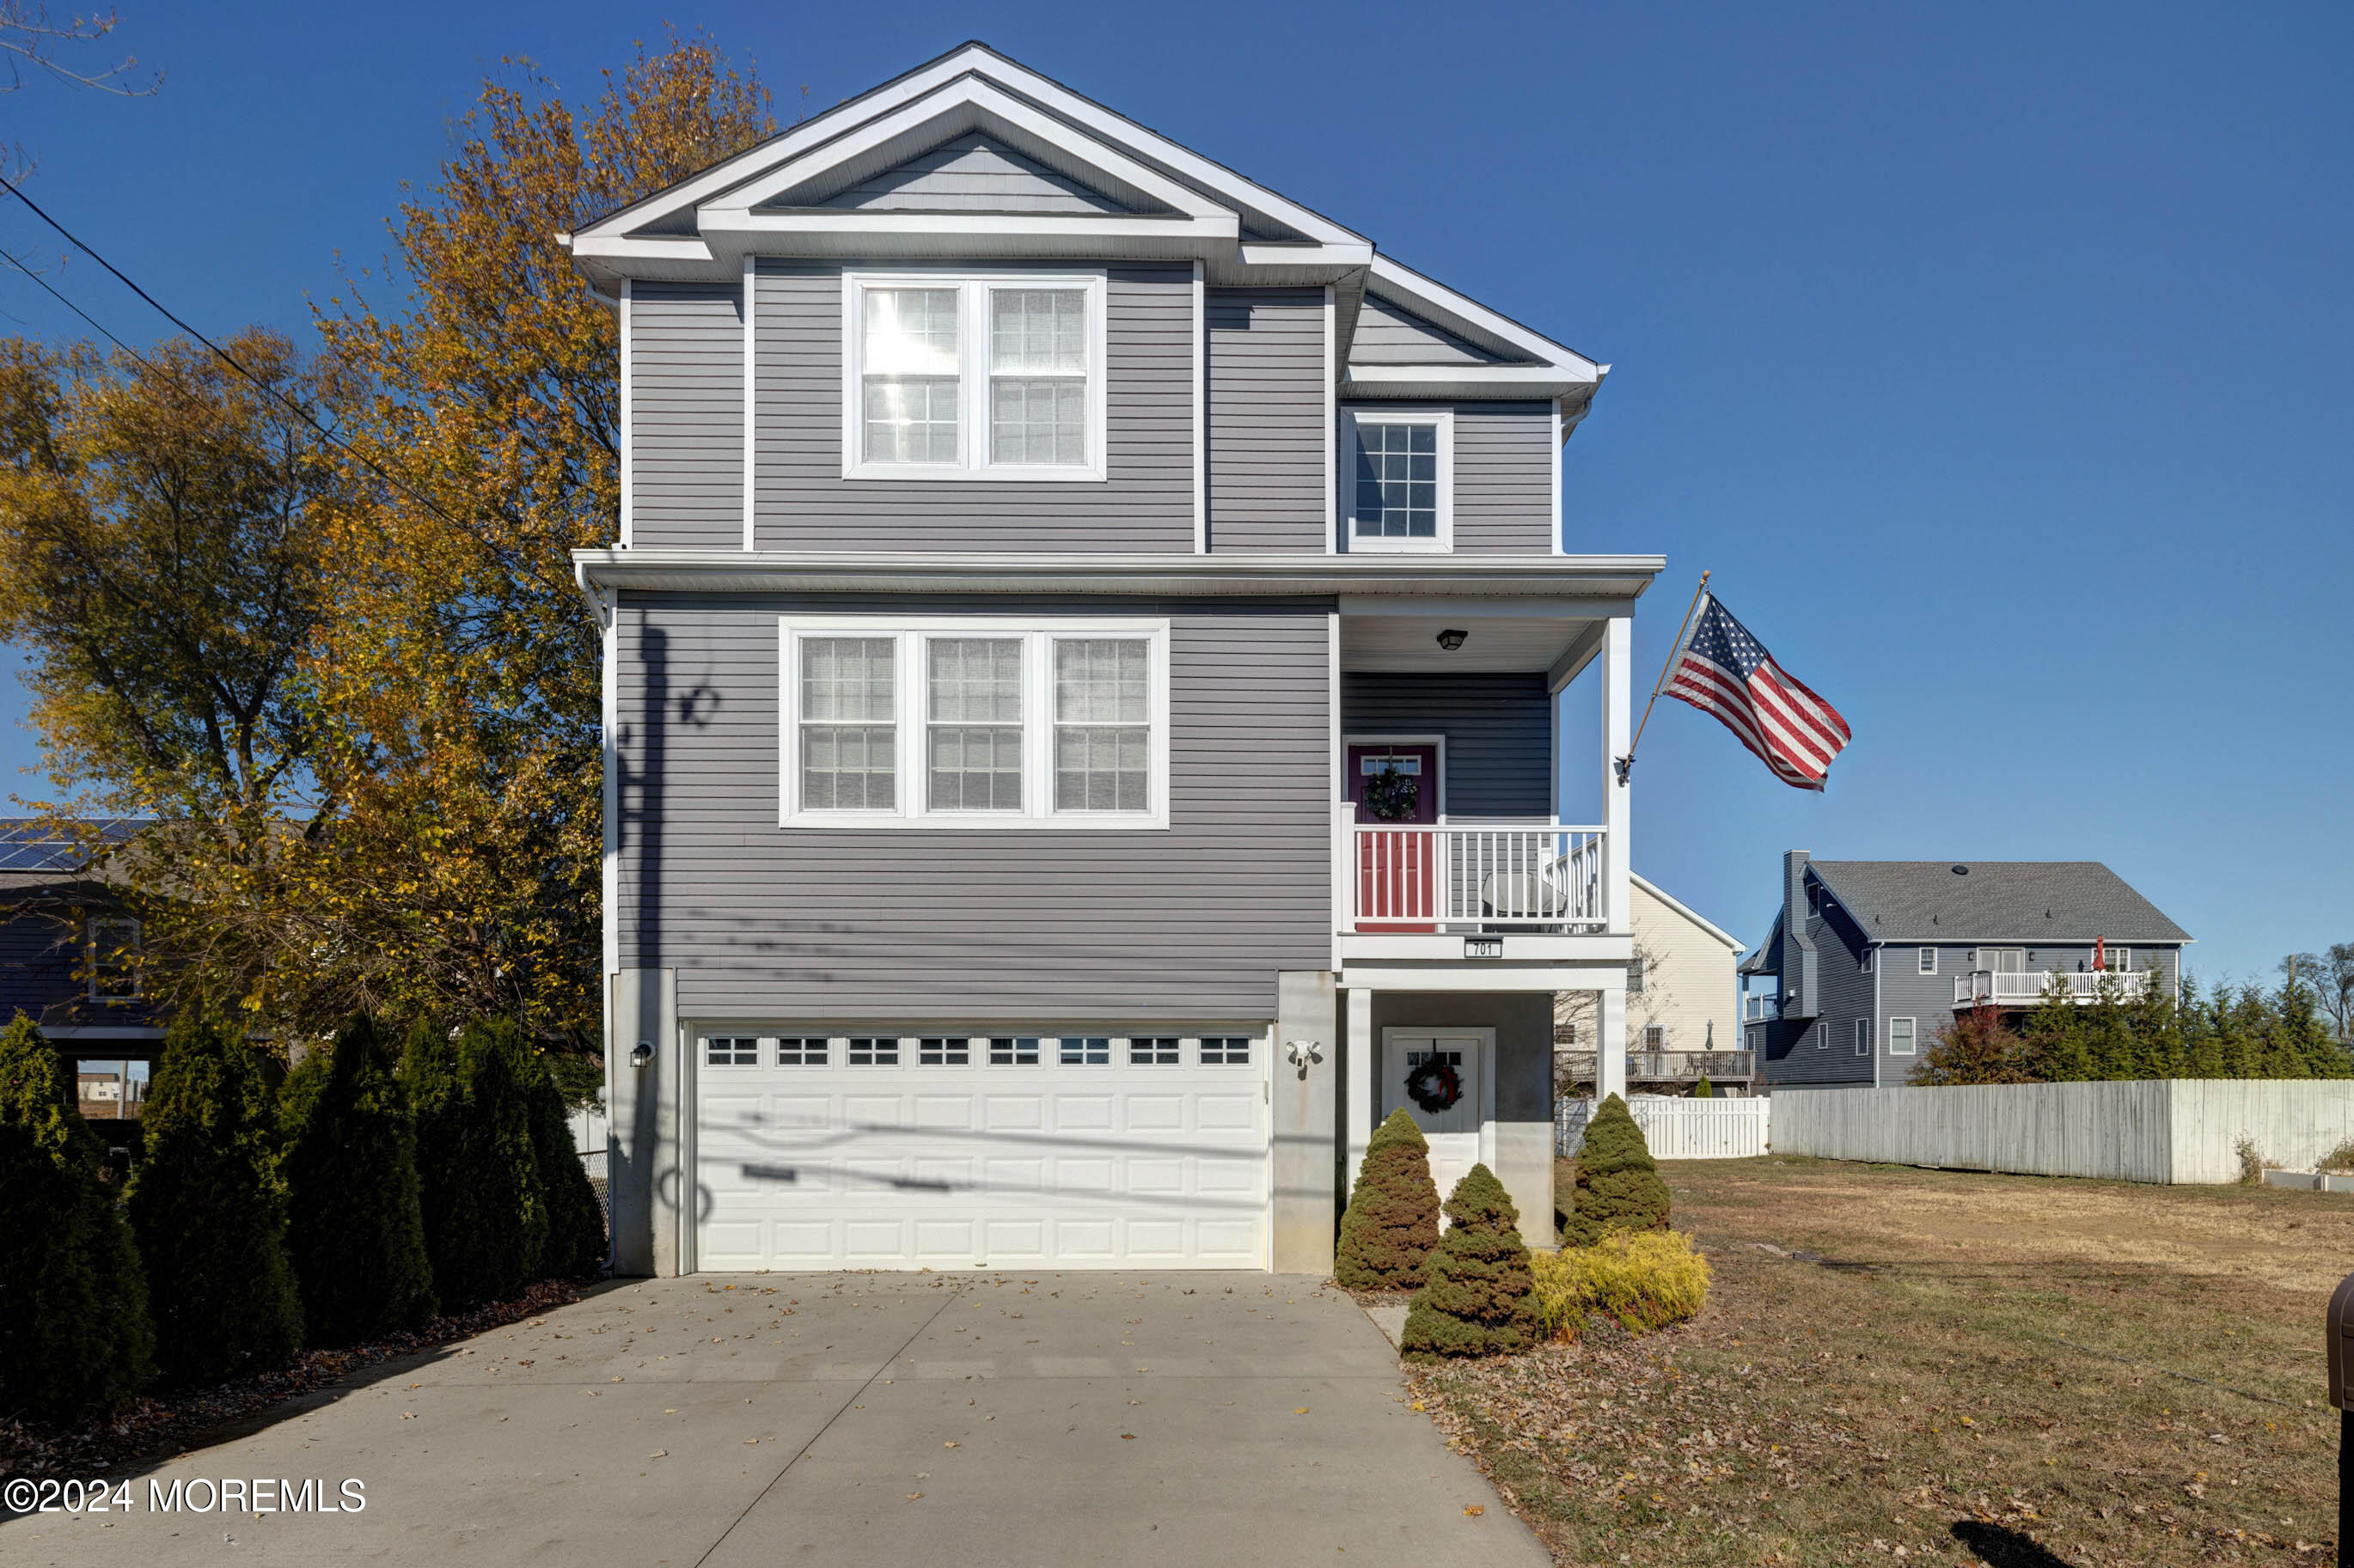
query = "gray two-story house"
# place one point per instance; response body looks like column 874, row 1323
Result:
column 1083, row 654
column 1869, row 959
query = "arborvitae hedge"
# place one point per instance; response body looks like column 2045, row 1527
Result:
column 208, row 1211
column 1391, row 1222
column 1477, row 1302
column 354, row 1230
column 1618, row 1185
column 486, row 1214
column 74, row 1339
column 576, row 1223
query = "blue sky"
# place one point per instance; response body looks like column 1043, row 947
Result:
column 1995, row 357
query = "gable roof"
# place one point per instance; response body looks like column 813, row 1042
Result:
column 1648, row 886
column 974, row 156
column 2002, row 900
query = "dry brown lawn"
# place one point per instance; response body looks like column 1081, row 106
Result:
column 1904, row 1365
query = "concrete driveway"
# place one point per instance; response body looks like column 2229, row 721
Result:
column 852, row 1419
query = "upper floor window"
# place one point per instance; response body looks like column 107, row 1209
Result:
column 974, row 721
column 1928, row 961
column 1400, row 492
column 114, row 960
column 987, row 376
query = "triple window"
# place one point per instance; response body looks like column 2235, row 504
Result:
column 992, row 376
column 975, row 722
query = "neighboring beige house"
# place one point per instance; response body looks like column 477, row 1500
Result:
column 1683, row 1018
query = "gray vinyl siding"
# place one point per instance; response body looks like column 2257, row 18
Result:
column 1388, row 335
column 1843, row 992
column 1504, row 459
column 972, row 173
column 1192, row 922
column 1498, row 731
column 686, row 416
column 1146, row 502
column 1267, row 418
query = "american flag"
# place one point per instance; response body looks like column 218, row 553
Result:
column 1723, row 670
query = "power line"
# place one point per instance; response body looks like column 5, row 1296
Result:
column 224, row 356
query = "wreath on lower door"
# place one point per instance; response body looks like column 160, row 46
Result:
column 1434, row 1086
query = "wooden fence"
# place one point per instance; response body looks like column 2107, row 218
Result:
column 1677, row 1129
column 2174, row 1130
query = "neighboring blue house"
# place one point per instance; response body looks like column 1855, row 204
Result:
column 1870, row 958
column 70, row 960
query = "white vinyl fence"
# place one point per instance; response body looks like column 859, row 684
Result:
column 2171, row 1131
column 1677, row 1128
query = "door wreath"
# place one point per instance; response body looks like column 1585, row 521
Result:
column 1434, row 1086
column 1391, row 795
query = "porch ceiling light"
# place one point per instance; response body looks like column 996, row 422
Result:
column 1451, row 639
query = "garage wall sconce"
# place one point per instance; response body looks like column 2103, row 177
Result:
column 1303, row 1055
column 644, row 1054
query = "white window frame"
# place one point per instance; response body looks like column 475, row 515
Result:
column 1928, row 961
column 1863, row 1036
column 911, row 717
column 1912, row 1036
column 1863, row 965
column 1350, row 543
column 976, row 461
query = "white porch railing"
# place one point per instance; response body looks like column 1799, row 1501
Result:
column 2025, row 987
column 1472, row 877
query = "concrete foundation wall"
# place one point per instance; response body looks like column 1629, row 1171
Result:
column 1305, row 1124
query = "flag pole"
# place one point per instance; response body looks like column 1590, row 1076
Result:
column 1626, row 764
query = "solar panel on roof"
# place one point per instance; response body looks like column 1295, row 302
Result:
column 28, row 843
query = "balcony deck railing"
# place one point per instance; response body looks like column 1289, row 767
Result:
column 2025, row 987
column 1672, row 1066
column 1472, row 877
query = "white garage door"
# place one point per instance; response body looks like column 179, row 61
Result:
column 870, row 1152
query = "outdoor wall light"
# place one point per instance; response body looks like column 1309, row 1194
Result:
column 1451, row 639
column 1303, row 1055
column 644, row 1054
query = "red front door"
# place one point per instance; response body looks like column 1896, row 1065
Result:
column 1397, row 861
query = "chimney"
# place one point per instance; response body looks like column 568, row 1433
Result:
column 1798, row 948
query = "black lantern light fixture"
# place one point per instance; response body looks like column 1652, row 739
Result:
column 1451, row 639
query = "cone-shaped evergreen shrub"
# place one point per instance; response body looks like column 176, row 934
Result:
column 1618, row 1185
column 1704, row 1090
column 485, row 1220
column 74, row 1339
column 207, row 1210
column 1391, row 1222
column 354, row 1228
column 1477, row 1301
column 576, row 1223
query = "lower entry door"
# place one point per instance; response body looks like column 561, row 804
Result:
column 1453, row 1131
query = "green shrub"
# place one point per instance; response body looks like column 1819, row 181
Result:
column 1643, row 1279
column 2340, row 1158
column 1704, row 1090
column 354, row 1231
column 208, row 1211
column 1477, row 1300
column 1618, row 1185
column 485, row 1220
column 576, row 1223
column 1391, row 1222
column 74, row 1337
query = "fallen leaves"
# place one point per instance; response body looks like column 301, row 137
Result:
column 1474, row 1511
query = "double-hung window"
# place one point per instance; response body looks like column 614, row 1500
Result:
column 965, row 375
column 114, row 951
column 1397, row 490
column 974, row 721
column 1900, row 1036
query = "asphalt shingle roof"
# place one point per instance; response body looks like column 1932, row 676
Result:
column 1997, row 900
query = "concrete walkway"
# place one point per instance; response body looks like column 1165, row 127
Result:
column 853, row 1419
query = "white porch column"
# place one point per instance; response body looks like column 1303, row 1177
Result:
column 1617, row 794
column 1363, row 1047
column 1610, row 1044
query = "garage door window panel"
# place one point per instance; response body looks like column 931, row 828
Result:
column 1088, row 1051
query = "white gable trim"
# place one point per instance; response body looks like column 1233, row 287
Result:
column 1639, row 879
column 975, row 60
column 1468, row 319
